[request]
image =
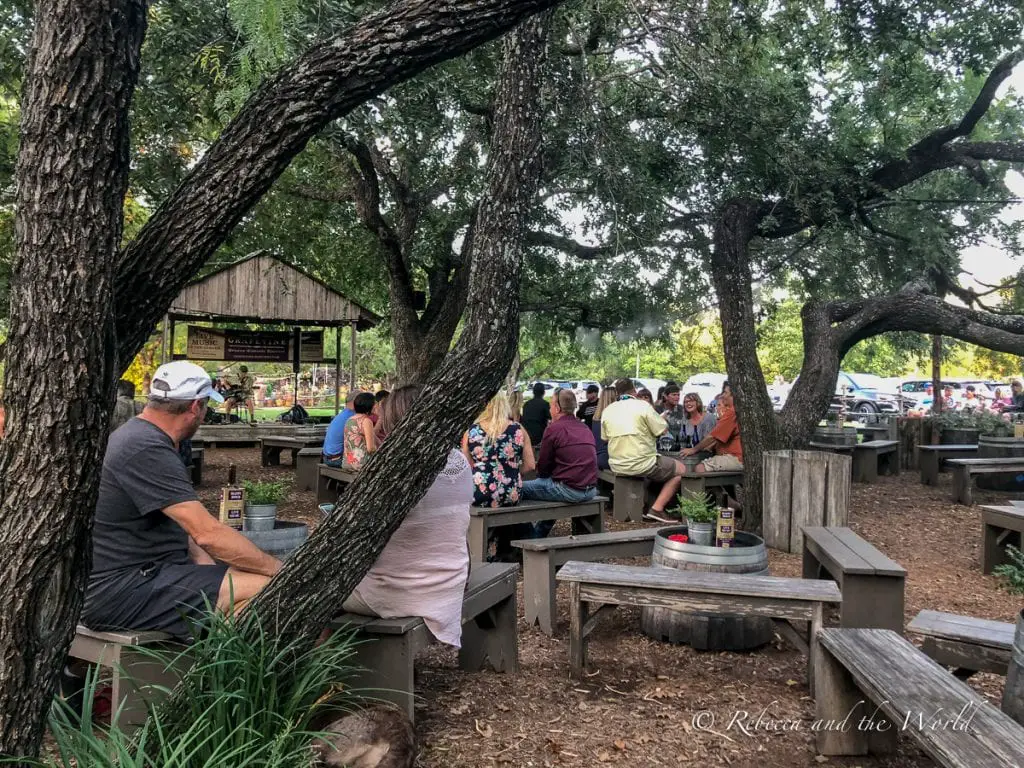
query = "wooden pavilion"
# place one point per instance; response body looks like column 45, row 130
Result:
column 262, row 289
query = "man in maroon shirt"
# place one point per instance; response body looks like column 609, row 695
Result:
column 567, row 465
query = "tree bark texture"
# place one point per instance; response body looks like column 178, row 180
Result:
column 61, row 363
column 277, row 122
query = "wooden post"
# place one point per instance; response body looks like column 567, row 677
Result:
column 170, row 339
column 337, row 369
column 936, row 376
column 163, row 351
column 352, row 381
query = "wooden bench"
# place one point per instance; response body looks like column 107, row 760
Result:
column 1000, row 527
column 586, row 516
column 933, row 457
column 595, row 588
column 965, row 469
column 135, row 674
column 196, row 467
column 877, row 675
column 307, row 463
column 871, row 583
column 489, row 637
column 271, row 447
column 875, row 457
column 330, row 481
column 965, row 643
column 542, row 558
column 629, row 499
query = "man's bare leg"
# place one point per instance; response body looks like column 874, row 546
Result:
column 238, row 588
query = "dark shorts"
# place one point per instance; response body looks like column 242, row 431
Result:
column 664, row 469
column 166, row 598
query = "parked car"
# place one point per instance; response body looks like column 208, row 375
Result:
column 652, row 384
column 707, row 385
column 864, row 393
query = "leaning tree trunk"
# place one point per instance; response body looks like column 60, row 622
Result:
column 61, row 367
column 735, row 227
column 315, row 580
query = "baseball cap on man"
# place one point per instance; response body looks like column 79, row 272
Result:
column 182, row 380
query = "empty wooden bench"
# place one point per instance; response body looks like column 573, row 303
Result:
column 875, row 457
column 586, row 516
column 489, row 637
column 965, row 643
column 271, row 447
column 307, row 464
column 330, row 481
column 595, row 588
column 965, row 469
column 542, row 557
column 871, row 583
column 877, row 675
column 135, row 674
column 1000, row 527
column 933, row 457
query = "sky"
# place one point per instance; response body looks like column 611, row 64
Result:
column 988, row 263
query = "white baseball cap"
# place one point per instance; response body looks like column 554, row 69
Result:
column 182, row 380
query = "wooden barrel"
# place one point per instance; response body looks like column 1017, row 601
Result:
column 708, row 631
column 1002, row 448
column 1013, row 693
column 280, row 542
column 835, row 435
column 959, row 436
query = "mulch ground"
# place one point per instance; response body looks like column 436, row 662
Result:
column 650, row 703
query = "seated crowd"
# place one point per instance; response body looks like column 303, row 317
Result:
column 161, row 560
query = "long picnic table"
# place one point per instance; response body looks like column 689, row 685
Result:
column 271, row 447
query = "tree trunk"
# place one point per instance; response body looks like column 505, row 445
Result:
column 735, row 227
column 61, row 365
column 305, row 595
column 936, row 379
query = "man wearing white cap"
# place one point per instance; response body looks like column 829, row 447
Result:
column 154, row 543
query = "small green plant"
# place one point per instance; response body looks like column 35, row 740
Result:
column 267, row 492
column 250, row 700
column 1012, row 573
column 986, row 422
column 696, row 509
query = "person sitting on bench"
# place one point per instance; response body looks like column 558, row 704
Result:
column 631, row 426
column 154, row 543
column 724, row 439
column 425, row 564
column 567, row 465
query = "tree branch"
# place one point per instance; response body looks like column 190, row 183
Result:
column 275, row 124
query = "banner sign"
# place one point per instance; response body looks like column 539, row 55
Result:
column 244, row 346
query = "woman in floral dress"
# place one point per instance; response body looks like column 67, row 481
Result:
column 358, row 441
column 499, row 451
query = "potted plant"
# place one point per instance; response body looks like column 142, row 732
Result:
column 261, row 500
column 965, row 427
column 700, row 519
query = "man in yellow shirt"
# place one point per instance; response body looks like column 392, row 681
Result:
column 632, row 427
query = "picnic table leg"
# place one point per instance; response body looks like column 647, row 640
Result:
column 874, row 602
column 539, row 590
column 577, row 640
column 838, row 708
column 136, row 681
column 387, row 664
column 295, row 456
column 811, row 566
column 991, row 552
column 477, row 539
column 588, row 524
column 492, row 639
column 813, row 646
column 962, row 486
column 930, row 467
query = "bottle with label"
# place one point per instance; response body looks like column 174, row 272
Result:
column 232, row 501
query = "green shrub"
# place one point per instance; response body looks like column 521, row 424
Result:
column 268, row 492
column 1012, row 573
column 249, row 702
column 986, row 422
column 697, row 509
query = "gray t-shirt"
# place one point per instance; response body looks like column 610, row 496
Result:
column 142, row 474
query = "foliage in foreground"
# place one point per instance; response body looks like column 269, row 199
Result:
column 250, row 702
column 1012, row 572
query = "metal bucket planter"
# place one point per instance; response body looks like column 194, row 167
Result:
column 259, row 517
column 701, row 534
column 832, row 435
column 281, row 540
